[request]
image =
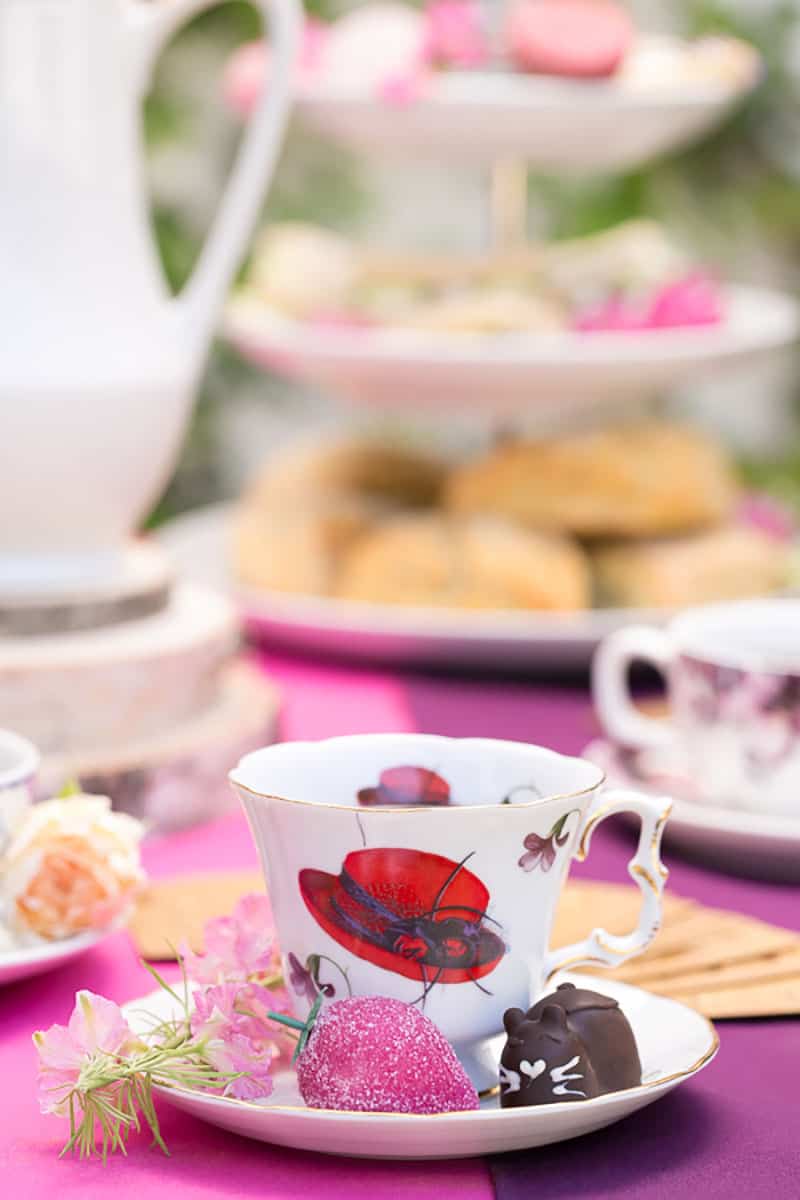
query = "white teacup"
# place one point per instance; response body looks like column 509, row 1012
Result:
column 733, row 676
column 429, row 869
column 19, row 762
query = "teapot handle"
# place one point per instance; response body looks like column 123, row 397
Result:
column 152, row 24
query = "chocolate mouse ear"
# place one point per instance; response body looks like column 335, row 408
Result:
column 512, row 1018
column 553, row 1018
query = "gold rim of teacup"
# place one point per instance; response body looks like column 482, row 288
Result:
column 416, row 808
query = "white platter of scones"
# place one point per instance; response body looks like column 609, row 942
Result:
column 524, row 556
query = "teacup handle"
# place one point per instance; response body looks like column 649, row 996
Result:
column 605, row 949
column 618, row 715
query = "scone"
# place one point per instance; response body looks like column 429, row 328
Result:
column 294, row 549
column 310, row 503
column 353, row 470
column 635, row 481
column 477, row 564
column 730, row 563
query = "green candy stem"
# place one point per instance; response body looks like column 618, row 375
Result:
column 305, row 1027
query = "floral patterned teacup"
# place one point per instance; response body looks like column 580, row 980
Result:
column 733, row 676
column 429, row 869
column 19, row 762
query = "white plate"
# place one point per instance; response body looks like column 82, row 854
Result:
column 35, row 960
column 561, row 125
column 674, row 1044
column 199, row 543
column 747, row 843
column 506, row 373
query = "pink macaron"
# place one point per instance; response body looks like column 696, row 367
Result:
column 582, row 39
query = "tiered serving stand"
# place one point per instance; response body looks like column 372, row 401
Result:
column 501, row 123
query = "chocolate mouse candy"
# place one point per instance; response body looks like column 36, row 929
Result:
column 604, row 1030
column 543, row 1060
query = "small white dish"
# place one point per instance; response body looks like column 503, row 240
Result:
column 27, row 961
column 507, row 373
column 747, row 843
column 19, row 762
column 565, row 125
column 674, row 1044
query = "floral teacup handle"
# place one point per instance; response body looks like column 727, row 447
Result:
column 605, row 949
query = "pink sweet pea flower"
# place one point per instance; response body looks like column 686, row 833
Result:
column 96, row 1027
column 232, row 1023
column 239, row 947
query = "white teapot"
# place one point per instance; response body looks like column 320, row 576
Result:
column 98, row 364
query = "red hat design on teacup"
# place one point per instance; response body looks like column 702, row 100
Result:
column 418, row 914
column 407, row 786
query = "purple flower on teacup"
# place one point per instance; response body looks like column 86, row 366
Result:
column 305, row 980
column 300, row 979
column 542, row 851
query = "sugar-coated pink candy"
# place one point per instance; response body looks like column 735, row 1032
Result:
column 374, row 1054
column 580, row 38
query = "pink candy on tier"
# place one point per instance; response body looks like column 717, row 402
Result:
column 394, row 51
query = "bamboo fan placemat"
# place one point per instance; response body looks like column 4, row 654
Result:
column 721, row 963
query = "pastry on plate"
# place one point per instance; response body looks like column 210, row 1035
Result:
column 578, row 39
column 635, row 481
column 481, row 563
column 309, row 503
column 294, row 550
column 491, row 310
column 630, row 278
column 351, row 469
column 300, row 268
column 730, row 563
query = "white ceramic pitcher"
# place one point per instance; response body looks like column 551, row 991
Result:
column 97, row 362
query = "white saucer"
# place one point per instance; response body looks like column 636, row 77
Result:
column 35, row 960
column 199, row 545
column 747, row 843
column 674, row 1043
column 511, row 372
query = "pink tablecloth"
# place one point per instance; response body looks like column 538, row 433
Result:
column 731, row 1132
